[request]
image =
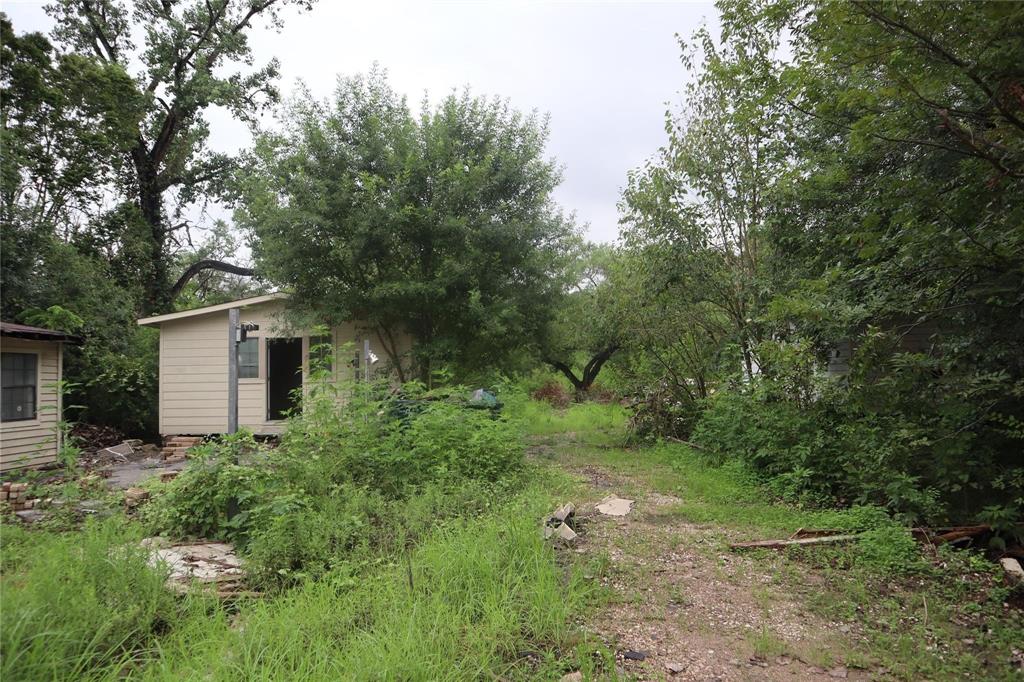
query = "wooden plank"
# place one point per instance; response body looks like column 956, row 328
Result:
column 796, row 542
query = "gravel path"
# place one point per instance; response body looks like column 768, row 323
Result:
column 690, row 608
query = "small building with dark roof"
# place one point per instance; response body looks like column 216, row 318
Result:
column 31, row 367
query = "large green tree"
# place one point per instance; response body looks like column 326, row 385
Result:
column 63, row 123
column 191, row 56
column 586, row 330
column 862, row 185
column 698, row 210
column 440, row 224
column 906, row 212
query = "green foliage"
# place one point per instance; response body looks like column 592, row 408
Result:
column 485, row 590
column 119, row 389
column 75, row 603
column 485, row 586
column 889, row 549
column 184, row 59
column 593, row 422
column 849, row 197
column 587, row 328
column 340, row 473
column 894, row 441
column 440, row 224
column 214, row 497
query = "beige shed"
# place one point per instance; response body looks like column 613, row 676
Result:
column 273, row 362
column 30, row 399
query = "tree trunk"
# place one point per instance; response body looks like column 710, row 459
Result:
column 151, row 206
column 582, row 385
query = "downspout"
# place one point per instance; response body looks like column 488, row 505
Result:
column 60, row 396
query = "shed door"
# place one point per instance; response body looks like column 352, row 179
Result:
column 284, row 376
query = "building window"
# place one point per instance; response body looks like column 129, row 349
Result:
column 249, row 359
column 321, row 353
column 19, row 386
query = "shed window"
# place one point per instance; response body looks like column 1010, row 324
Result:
column 321, row 353
column 249, row 359
column 19, row 386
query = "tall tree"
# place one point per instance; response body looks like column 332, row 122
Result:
column 906, row 213
column 441, row 224
column 586, row 330
column 182, row 68
column 698, row 210
column 63, row 122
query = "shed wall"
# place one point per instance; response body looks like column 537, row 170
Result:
column 194, row 369
column 34, row 442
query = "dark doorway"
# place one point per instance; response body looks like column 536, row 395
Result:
column 284, row 375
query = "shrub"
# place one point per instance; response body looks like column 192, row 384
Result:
column 214, row 496
column 825, row 450
column 338, row 480
column 553, row 393
column 291, row 539
column 661, row 413
column 447, row 440
column 390, row 447
column 890, row 549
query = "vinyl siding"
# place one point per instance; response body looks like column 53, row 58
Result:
column 34, row 442
column 194, row 369
column 914, row 337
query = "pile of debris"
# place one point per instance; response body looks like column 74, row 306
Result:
column 94, row 437
column 212, row 566
column 127, row 450
column 957, row 536
column 561, row 525
column 16, row 495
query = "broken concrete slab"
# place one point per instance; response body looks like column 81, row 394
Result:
column 1013, row 568
column 30, row 515
column 564, row 532
column 211, row 564
column 615, row 506
column 121, row 452
column 561, row 532
column 564, row 512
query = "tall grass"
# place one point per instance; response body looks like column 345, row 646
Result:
column 481, row 593
column 79, row 605
column 464, row 602
column 592, row 422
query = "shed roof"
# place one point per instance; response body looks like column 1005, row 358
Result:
column 240, row 303
column 24, row 331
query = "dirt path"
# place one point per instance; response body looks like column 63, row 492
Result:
column 690, row 608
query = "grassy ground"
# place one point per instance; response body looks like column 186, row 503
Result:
column 476, row 598
column 904, row 614
column 481, row 595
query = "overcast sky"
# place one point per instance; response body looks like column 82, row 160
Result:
column 603, row 71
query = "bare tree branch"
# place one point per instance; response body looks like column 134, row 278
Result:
column 208, row 264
